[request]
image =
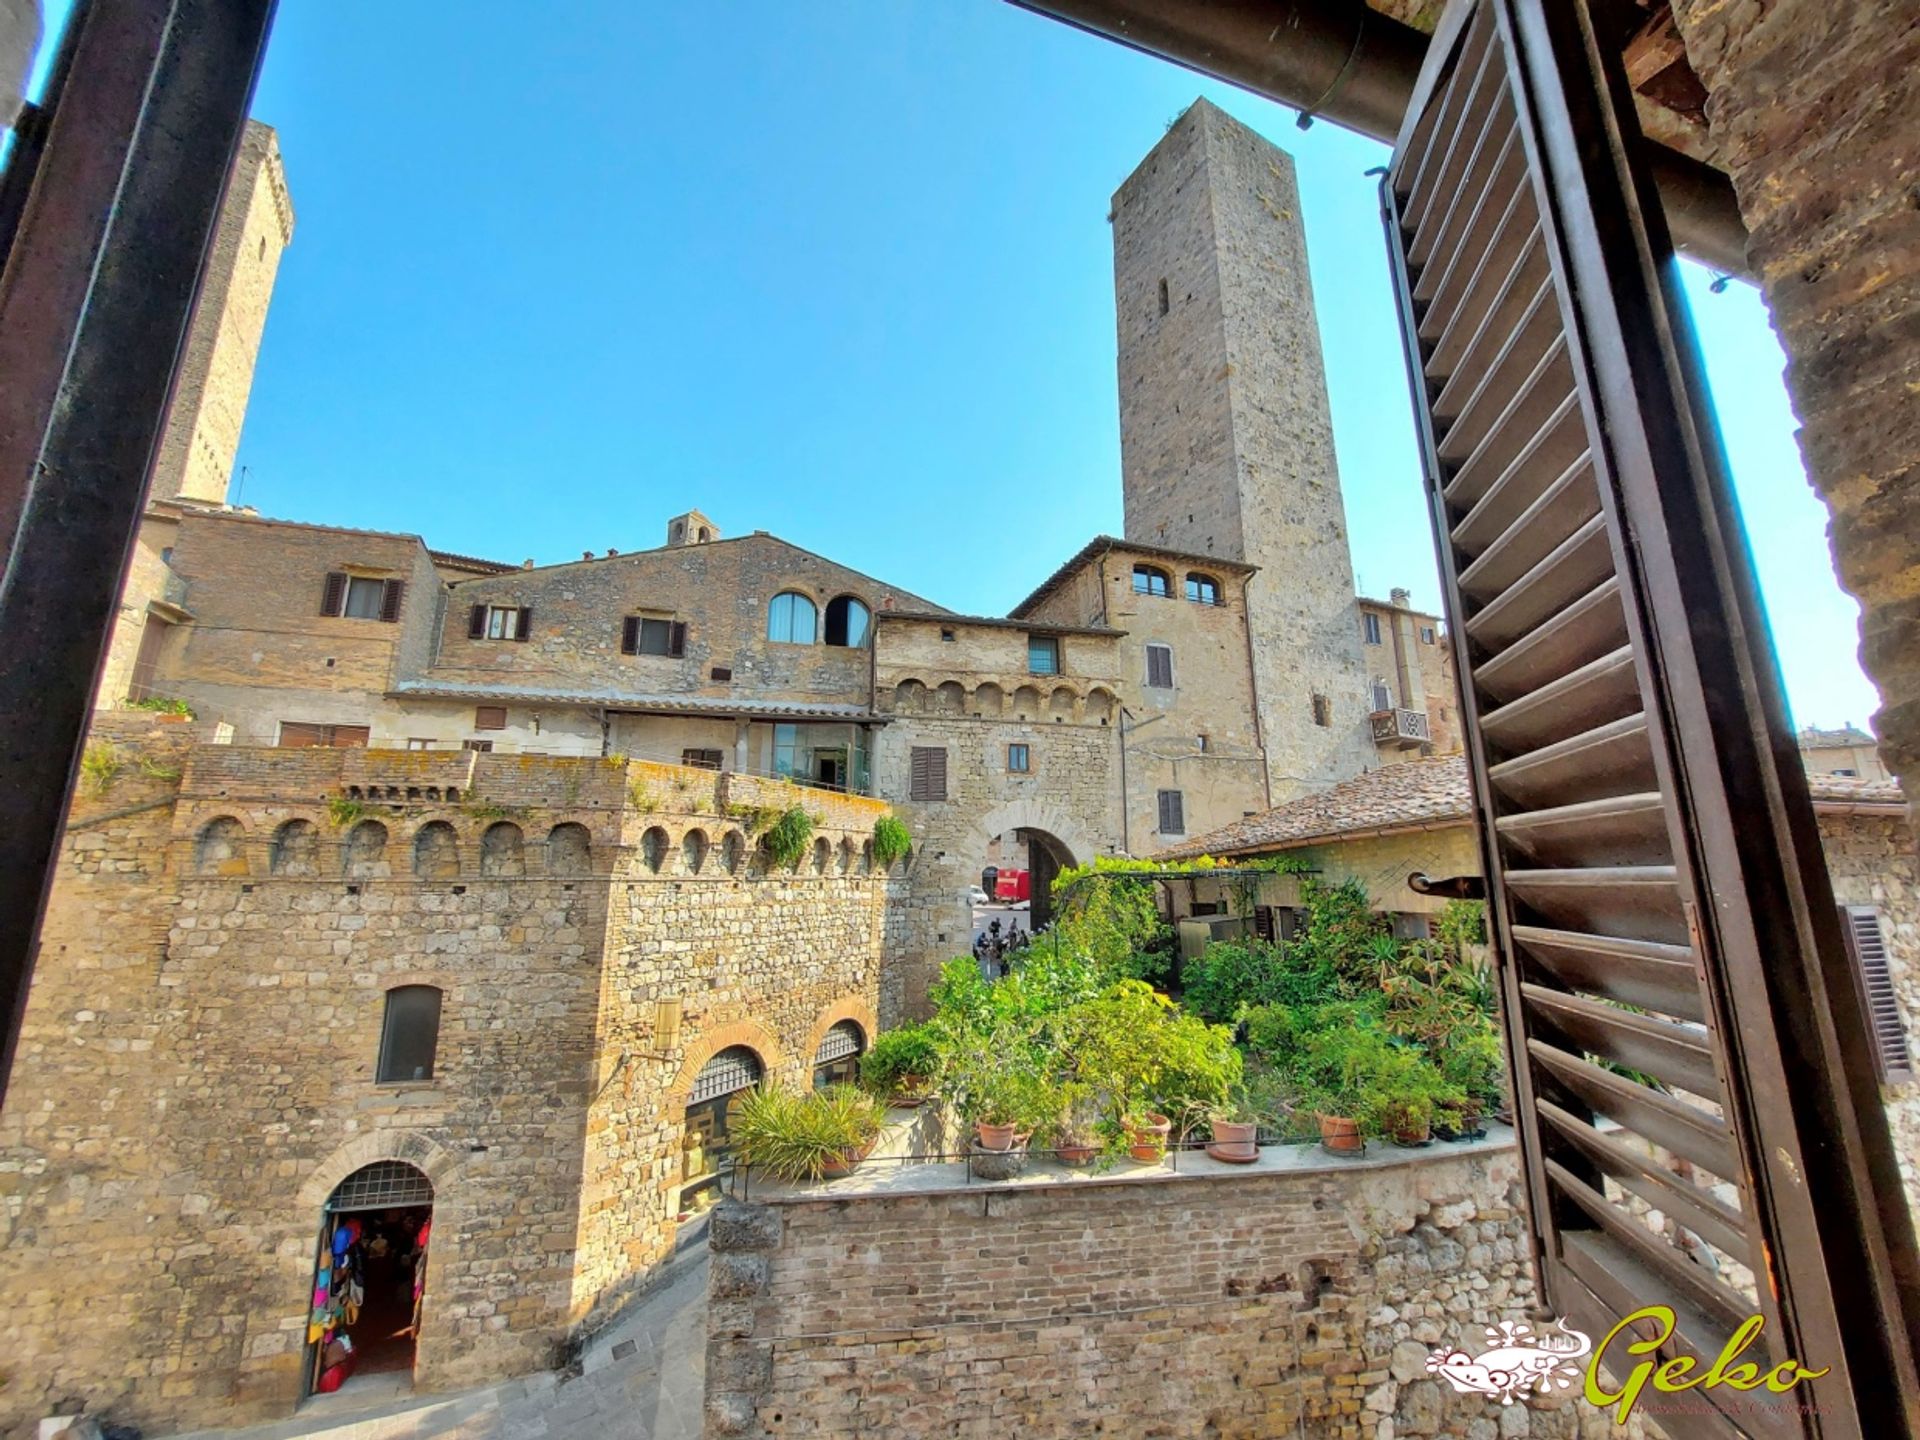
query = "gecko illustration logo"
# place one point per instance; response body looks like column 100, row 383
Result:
column 1515, row 1363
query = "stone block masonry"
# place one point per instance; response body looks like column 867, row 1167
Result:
column 1301, row 1303
column 198, row 1069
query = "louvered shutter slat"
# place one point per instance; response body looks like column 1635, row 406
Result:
column 391, row 595
column 524, row 628
column 333, row 594
column 477, row 623
column 1594, row 572
column 1867, row 945
column 630, row 635
column 677, row 639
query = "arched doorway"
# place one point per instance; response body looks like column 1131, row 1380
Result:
column 369, row 1281
column 1017, row 872
column 706, row 1150
column 1046, row 858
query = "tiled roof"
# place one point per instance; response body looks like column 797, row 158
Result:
column 624, row 700
column 1816, row 739
column 1427, row 792
column 1044, row 627
column 1412, row 793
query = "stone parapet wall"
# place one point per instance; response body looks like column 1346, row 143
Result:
column 1302, row 1303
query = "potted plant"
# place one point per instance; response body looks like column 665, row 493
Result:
column 1336, row 1071
column 900, row 1064
column 1147, row 1135
column 1076, row 1126
column 1474, row 1066
column 811, row 1137
column 1235, row 1125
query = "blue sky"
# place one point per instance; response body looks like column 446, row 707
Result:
column 840, row 271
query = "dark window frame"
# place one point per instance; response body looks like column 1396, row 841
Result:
column 1047, row 645
column 1172, row 816
column 1160, row 676
column 1152, row 580
column 399, row 1052
column 1203, row 589
column 1023, row 754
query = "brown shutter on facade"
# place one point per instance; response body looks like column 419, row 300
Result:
column 1160, row 667
column 524, row 628
column 348, row 737
column 677, row 638
column 391, row 594
column 490, row 717
column 333, row 595
column 1173, row 819
column 927, row 778
column 1653, row 868
column 630, row 635
column 1867, row 947
column 477, row 623
column 297, row 736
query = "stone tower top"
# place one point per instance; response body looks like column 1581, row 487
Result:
column 1226, row 438
column 692, row 528
column 202, row 433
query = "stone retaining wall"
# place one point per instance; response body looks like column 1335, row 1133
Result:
column 1300, row 1303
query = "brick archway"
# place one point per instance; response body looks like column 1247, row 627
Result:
column 709, row 1043
column 857, row 1008
column 428, row 1156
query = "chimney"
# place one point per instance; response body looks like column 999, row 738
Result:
column 611, row 552
column 1402, row 598
column 526, row 564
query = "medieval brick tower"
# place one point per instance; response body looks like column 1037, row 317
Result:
column 1225, row 434
column 210, row 402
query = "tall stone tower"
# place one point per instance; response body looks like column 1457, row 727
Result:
column 1226, row 439
column 210, row 402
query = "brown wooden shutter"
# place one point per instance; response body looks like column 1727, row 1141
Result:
column 1654, row 874
column 333, row 594
column 524, row 629
column 1873, row 968
column 677, row 638
column 1173, row 818
column 489, row 717
column 391, row 594
column 295, row 735
column 348, row 737
column 1160, row 666
column 477, row 623
column 630, row 635
column 927, row 778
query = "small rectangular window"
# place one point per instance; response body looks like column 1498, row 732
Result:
column 947, row 636
column 503, row 622
column 483, row 746
column 647, row 635
column 701, row 759
column 364, row 598
column 1019, row 760
column 1382, row 696
column 490, row 717
column 1043, row 654
column 1173, row 816
column 300, row 735
column 1160, row 667
column 416, row 743
column 1322, row 710
column 721, row 673
column 410, row 1035
column 1426, row 635
column 1203, row 589
column 1370, row 623
column 927, row 777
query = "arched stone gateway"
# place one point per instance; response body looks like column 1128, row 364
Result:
column 1055, row 842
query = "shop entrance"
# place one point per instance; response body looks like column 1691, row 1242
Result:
column 369, row 1277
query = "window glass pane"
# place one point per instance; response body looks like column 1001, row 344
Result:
column 1017, row 758
column 1043, row 655
column 846, row 622
column 656, row 637
column 791, row 618
column 363, row 598
column 1149, row 581
column 1202, row 589
column 411, row 1034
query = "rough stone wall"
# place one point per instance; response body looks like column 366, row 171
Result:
column 216, row 368
column 1811, row 108
column 1226, row 435
column 1872, row 861
column 721, row 590
column 1303, row 1303
column 198, row 1067
column 149, row 578
column 258, row 650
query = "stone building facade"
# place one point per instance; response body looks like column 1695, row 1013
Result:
column 198, row 1070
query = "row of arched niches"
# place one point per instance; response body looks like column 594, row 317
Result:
column 989, row 701
column 369, row 849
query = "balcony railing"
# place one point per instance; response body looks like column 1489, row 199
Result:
column 1403, row 728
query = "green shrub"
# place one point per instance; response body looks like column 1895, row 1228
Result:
column 788, row 837
column 162, row 705
column 896, row 1055
column 1224, row 977
column 100, row 765
column 796, row 1137
column 891, row 841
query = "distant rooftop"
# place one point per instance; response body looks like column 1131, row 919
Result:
column 1847, row 736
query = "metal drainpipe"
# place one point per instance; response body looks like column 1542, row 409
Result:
column 1337, row 60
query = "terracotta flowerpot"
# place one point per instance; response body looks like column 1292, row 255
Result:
column 1413, row 1136
column 1076, row 1152
column 1234, row 1141
column 1147, row 1136
column 1341, row 1135
column 847, row 1163
column 994, row 1137
column 910, row 1091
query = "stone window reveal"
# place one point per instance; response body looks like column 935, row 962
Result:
column 792, row 619
column 503, row 850
column 500, row 622
column 411, row 1033
column 1019, row 759
column 847, row 622
column 1203, row 589
column 734, row 1069
column 1043, row 654
column 1152, row 580
column 647, row 635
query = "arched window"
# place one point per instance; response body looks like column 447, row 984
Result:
column 569, row 850
column 436, row 851
column 734, row 1069
column 653, row 848
column 732, row 849
column 822, row 855
column 503, row 850
column 218, row 851
column 1151, row 580
column 847, row 621
column 1203, row 589
column 295, row 849
column 693, row 851
column 411, row 1033
column 791, row 619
